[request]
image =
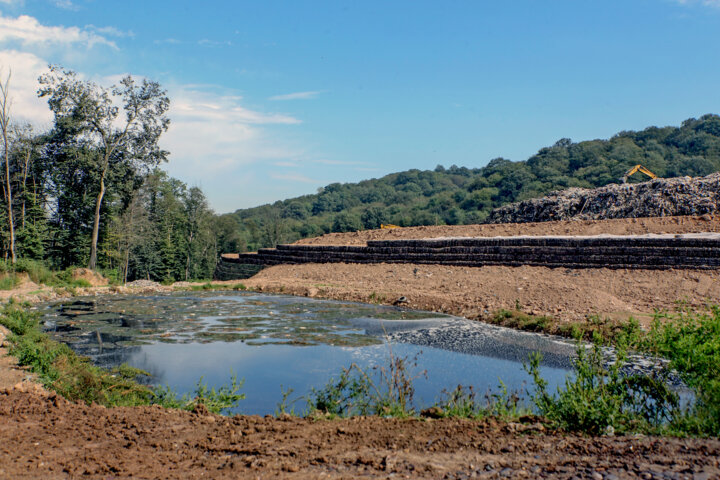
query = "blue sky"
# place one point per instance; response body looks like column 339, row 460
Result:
column 273, row 99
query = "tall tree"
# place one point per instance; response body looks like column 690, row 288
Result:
column 91, row 113
column 4, row 127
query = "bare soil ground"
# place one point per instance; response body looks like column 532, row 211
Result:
column 478, row 292
column 44, row 436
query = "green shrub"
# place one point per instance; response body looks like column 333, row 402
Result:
column 36, row 270
column 691, row 341
column 601, row 399
column 462, row 402
column 8, row 281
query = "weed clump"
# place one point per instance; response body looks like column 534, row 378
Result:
column 382, row 390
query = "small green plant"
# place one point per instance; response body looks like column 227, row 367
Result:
column 382, row 390
column 377, row 297
column 239, row 286
column 462, row 402
column 691, row 341
column 286, row 406
column 522, row 321
column 216, row 401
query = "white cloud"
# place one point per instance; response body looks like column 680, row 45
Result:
column 211, row 133
column 27, row 31
column 25, row 69
column 296, row 96
column 338, row 162
column 66, row 4
column 707, row 3
column 286, row 164
column 111, row 31
column 293, row 177
column 214, row 43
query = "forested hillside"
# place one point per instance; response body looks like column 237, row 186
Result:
column 460, row 195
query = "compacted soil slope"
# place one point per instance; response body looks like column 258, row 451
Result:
column 478, row 292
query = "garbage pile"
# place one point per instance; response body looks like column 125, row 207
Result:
column 660, row 197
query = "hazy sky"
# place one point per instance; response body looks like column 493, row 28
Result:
column 273, row 99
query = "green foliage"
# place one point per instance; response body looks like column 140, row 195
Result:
column 458, row 195
column 522, row 321
column 286, row 406
column 65, row 372
column 600, row 399
column 8, row 281
column 691, row 341
column 36, row 270
column 383, row 390
column 462, row 402
column 216, row 401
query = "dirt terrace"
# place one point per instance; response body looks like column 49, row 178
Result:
column 478, row 292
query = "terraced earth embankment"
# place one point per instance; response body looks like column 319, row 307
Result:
column 689, row 251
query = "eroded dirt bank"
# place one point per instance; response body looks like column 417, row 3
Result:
column 44, row 436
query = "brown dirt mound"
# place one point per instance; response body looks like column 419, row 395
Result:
column 93, row 278
column 623, row 226
column 44, row 436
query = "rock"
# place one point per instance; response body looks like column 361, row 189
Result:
column 433, row 412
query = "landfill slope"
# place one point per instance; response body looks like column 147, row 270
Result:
column 661, row 197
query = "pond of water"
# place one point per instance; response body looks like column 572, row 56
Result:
column 274, row 341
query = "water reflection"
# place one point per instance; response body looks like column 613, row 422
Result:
column 181, row 337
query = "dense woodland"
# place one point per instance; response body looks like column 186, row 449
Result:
column 90, row 191
column 459, row 195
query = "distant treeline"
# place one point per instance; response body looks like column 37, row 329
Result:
column 459, row 195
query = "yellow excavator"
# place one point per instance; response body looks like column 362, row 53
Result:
column 388, row 225
column 637, row 168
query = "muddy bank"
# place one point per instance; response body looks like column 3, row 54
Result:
column 47, row 437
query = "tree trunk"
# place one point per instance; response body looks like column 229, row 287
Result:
column 96, row 225
column 9, row 197
column 5, row 124
column 127, row 265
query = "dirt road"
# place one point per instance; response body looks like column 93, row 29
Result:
column 47, row 437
